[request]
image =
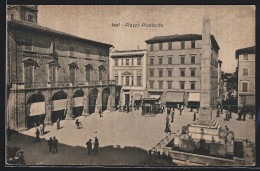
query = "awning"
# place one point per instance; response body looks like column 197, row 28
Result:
column 36, row 108
column 59, row 104
column 194, row 97
column 137, row 97
column 155, row 96
column 175, row 97
column 77, row 101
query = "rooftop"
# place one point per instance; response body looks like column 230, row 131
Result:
column 35, row 27
column 183, row 37
column 128, row 53
column 248, row 50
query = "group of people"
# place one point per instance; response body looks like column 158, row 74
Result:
column 53, row 145
column 90, row 149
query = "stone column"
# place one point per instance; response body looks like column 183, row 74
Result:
column 98, row 105
column 86, row 103
column 69, row 105
column 205, row 114
column 48, row 107
column 111, row 99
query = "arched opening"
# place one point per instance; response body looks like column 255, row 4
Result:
column 105, row 96
column 59, row 106
column 78, row 99
column 92, row 100
column 35, row 111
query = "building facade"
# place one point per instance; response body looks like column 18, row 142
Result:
column 246, row 76
column 51, row 74
column 174, row 68
column 128, row 69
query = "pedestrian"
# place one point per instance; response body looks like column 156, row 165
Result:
column 89, row 146
column 194, row 116
column 181, row 108
column 96, row 145
column 218, row 113
column 50, row 142
column 77, row 123
column 167, row 126
column 172, row 115
column 9, row 133
column 55, row 145
column 37, row 133
column 244, row 115
column 226, row 128
column 41, row 128
column 168, row 110
column 58, row 123
column 100, row 113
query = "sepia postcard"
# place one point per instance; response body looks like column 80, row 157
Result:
column 130, row 85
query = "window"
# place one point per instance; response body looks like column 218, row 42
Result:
column 72, row 75
column 116, row 62
column 245, row 71
column 160, row 60
column 127, row 80
column 127, row 62
column 139, row 61
column 169, row 72
column 72, row 51
column 101, row 69
column 151, row 84
column 116, row 79
column 122, row 80
column 169, row 84
column 151, row 61
column 139, row 80
column 151, row 47
column 122, row 62
column 87, row 52
column 30, row 17
column 160, row 84
column 170, row 46
column 160, row 46
column 52, row 74
column 132, row 80
column 132, row 61
column 182, row 59
column 160, row 72
column 192, row 85
column 29, row 76
column 192, row 44
column 192, row 72
column 88, row 69
column 245, row 56
column 192, row 60
column 182, row 71
column 12, row 16
column 169, row 60
column 182, row 45
column 182, row 84
column 244, row 87
column 151, row 73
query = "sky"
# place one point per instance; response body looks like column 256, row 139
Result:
column 233, row 26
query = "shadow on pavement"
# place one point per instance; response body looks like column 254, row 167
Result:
column 37, row 153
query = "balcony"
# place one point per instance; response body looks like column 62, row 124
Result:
column 38, row 85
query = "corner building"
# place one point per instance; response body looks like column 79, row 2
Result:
column 51, row 74
column 128, row 69
column 246, row 76
column 174, row 68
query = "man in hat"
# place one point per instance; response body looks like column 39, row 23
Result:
column 96, row 145
column 89, row 146
column 55, row 145
column 50, row 142
column 37, row 133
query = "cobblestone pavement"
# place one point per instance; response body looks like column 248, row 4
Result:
column 119, row 130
